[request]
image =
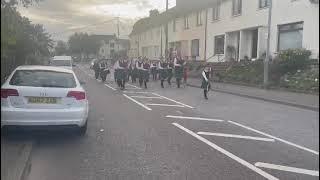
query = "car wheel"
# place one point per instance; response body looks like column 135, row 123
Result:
column 82, row 130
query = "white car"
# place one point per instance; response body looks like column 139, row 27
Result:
column 62, row 61
column 44, row 96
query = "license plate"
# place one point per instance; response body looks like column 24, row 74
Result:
column 42, row 100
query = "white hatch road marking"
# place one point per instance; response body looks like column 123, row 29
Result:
column 173, row 100
column 142, row 105
column 273, row 137
column 287, row 168
column 110, row 87
column 133, row 86
column 236, row 136
column 136, row 92
column 227, row 153
column 147, row 97
column 169, row 105
column 195, row 118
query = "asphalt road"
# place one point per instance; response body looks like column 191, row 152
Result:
column 174, row 133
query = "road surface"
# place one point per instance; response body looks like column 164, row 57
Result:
column 175, row 134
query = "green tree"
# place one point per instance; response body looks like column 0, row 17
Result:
column 61, row 48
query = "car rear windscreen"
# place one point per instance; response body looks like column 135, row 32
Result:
column 60, row 63
column 43, row 78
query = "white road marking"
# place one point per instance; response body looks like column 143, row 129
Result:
column 195, row 118
column 173, row 100
column 236, row 136
column 169, row 105
column 142, row 105
column 133, row 86
column 227, row 153
column 287, row 168
column 110, row 87
column 273, row 137
column 147, row 97
column 138, row 92
column 99, row 80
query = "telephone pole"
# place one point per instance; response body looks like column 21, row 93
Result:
column 118, row 30
column 166, row 32
column 266, row 61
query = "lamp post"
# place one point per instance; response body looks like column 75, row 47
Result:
column 266, row 61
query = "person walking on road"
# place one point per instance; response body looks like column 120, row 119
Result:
column 134, row 72
column 205, row 81
column 178, row 69
column 146, row 68
column 185, row 76
column 154, row 71
column 139, row 67
column 163, row 68
column 170, row 71
column 123, row 66
column 96, row 69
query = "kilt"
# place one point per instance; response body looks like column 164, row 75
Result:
column 154, row 70
column 169, row 73
column 116, row 74
column 145, row 75
column 205, row 84
column 122, row 74
column 163, row 74
column 178, row 71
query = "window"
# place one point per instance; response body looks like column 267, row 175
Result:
column 195, row 47
column 111, row 45
column 219, row 44
column 263, row 3
column 186, row 22
column 199, row 18
column 290, row 36
column 216, row 12
column 174, row 25
column 43, row 78
column 236, row 7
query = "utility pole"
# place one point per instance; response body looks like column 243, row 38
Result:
column 166, row 32
column 161, row 41
column 205, row 36
column 266, row 61
column 118, row 39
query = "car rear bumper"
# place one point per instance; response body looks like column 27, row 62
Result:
column 43, row 117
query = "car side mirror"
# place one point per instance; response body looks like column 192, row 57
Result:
column 82, row 82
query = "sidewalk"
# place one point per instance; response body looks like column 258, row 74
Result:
column 14, row 159
column 305, row 101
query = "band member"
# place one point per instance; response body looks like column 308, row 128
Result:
column 154, row 71
column 116, row 71
column 146, row 68
column 178, row 69
column 134, row 72
column 170, row 71
column 205, row 81
column 96, row 69
column 163, row 68
column 139, row 66
column 123, row 67
column 104, row 71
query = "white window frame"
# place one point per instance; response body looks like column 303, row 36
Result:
column 216, row 12
column 199, row 18
column 186, row 22
column 236, row 11
column 263, row 4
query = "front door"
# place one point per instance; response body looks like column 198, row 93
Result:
column 254, row 43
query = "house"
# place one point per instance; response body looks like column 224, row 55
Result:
column 110, row 45
column 222, row 30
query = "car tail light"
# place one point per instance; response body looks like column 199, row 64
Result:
column 9, row 92
column 79, row 95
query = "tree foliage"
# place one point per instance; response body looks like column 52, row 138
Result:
column 61, row 48
column 82, row 43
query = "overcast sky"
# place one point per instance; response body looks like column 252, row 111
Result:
column 64, row 17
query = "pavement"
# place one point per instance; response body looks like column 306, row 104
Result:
column 173, row 133
column 307, row 101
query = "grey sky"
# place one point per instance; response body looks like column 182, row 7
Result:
column 64, row 17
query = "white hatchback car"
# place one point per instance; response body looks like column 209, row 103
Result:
column 44, row 96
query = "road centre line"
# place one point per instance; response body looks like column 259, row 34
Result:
column 110, row 87
column 133, row 86
column 227, row 153
column 137, row 102
column 147, row 97
column 136, row 92
column 273, row 137
column 287, row 168
column 173, row 100
column 169, row 105
column 236, row 136
column 195, row 118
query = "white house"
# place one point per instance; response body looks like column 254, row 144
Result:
column 216, row 30
column 110, row 45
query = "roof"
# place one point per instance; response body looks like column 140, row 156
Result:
column 58, row 58
column 154, row 21
column 48, row 68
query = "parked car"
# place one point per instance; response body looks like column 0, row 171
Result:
column 62, row 61
column 44, row 96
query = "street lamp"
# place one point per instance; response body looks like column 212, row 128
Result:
column 266, row 61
